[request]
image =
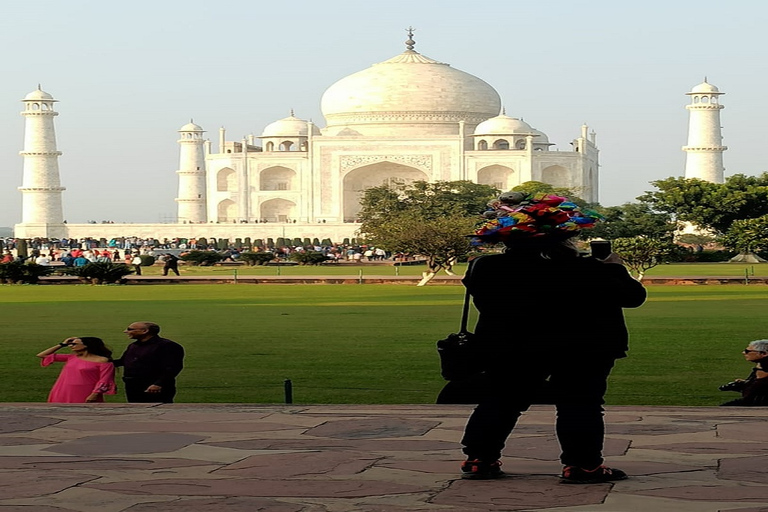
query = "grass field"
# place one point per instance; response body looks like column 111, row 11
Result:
column 360, row 343
column 676, row 269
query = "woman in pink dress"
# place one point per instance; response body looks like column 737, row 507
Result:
column 88, row 372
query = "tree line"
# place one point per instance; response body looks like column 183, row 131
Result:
column 434, row 219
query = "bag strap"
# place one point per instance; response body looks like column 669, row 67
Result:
column 465, row 310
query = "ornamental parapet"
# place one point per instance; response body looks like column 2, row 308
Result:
column 40, row 153
column 705, row 106
column 718, row 149
column 42, row 189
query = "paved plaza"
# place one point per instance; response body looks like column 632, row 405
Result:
column 358, row 458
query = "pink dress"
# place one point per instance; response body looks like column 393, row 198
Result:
column 80, row 378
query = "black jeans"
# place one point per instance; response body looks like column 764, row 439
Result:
column 578, row 385
column 135, row 392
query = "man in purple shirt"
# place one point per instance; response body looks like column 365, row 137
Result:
column 151, row 364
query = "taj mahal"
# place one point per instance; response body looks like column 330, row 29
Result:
column 405, row 119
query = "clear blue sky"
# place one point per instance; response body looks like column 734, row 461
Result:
column 129, row 74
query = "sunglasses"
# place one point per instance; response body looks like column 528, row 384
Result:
column 748, row 351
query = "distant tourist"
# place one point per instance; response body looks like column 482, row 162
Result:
column 136, row 262
column 43, row 259
column 80, row 261
column 88, row 372
column 754, row 389
column 170, row 262
column 548, row 316
column 151, row 364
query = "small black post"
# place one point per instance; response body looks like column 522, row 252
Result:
column 288, row 385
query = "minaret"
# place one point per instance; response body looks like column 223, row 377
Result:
column 704, row 152
column 41, row 212
column 191, row 175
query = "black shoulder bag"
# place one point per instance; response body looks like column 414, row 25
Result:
column 459, row 358
column 460, row 361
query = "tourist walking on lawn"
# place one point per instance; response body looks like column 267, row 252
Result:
column 136, row 262
column 170, row 262
column 88, row 373
column 151, row 364
column 547, row 314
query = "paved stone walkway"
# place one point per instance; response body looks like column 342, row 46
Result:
column 404, row 458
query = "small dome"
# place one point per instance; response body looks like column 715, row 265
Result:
column 290, row 126
column 503, row 125
column 191, row 127
column 38, row 95
column 705, row 88
column 541, row 137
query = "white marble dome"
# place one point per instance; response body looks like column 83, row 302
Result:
column 38, row 95
column 191, row 127
column 704, row 88
column 409, row 94
column 503, row 125
column 541, row 137
column 290, row 126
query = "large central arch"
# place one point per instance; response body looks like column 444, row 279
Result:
column 374, row 175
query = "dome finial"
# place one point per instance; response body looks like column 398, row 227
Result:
column 292, row 113
column 503, row 111
column 705, row 79
column 410, row 42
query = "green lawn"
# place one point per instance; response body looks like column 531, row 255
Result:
column 360, row 343
column 675, row 269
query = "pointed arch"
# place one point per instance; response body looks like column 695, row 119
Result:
column 499, row 176
column 556, row 175
column 277, row 178
column 226, row 211
column 277, row 210
column 226, row 180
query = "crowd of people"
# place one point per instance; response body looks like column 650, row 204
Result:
column 71, row 252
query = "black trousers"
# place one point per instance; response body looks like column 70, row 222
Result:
column 577, row 384
column 135, row 392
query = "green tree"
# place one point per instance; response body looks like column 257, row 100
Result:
column 640, row 253
column 633, row 219
column 442, row 240
column 714, row 206
column 747, row 236
column 429, row 219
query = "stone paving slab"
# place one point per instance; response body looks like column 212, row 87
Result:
column 363, row 458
